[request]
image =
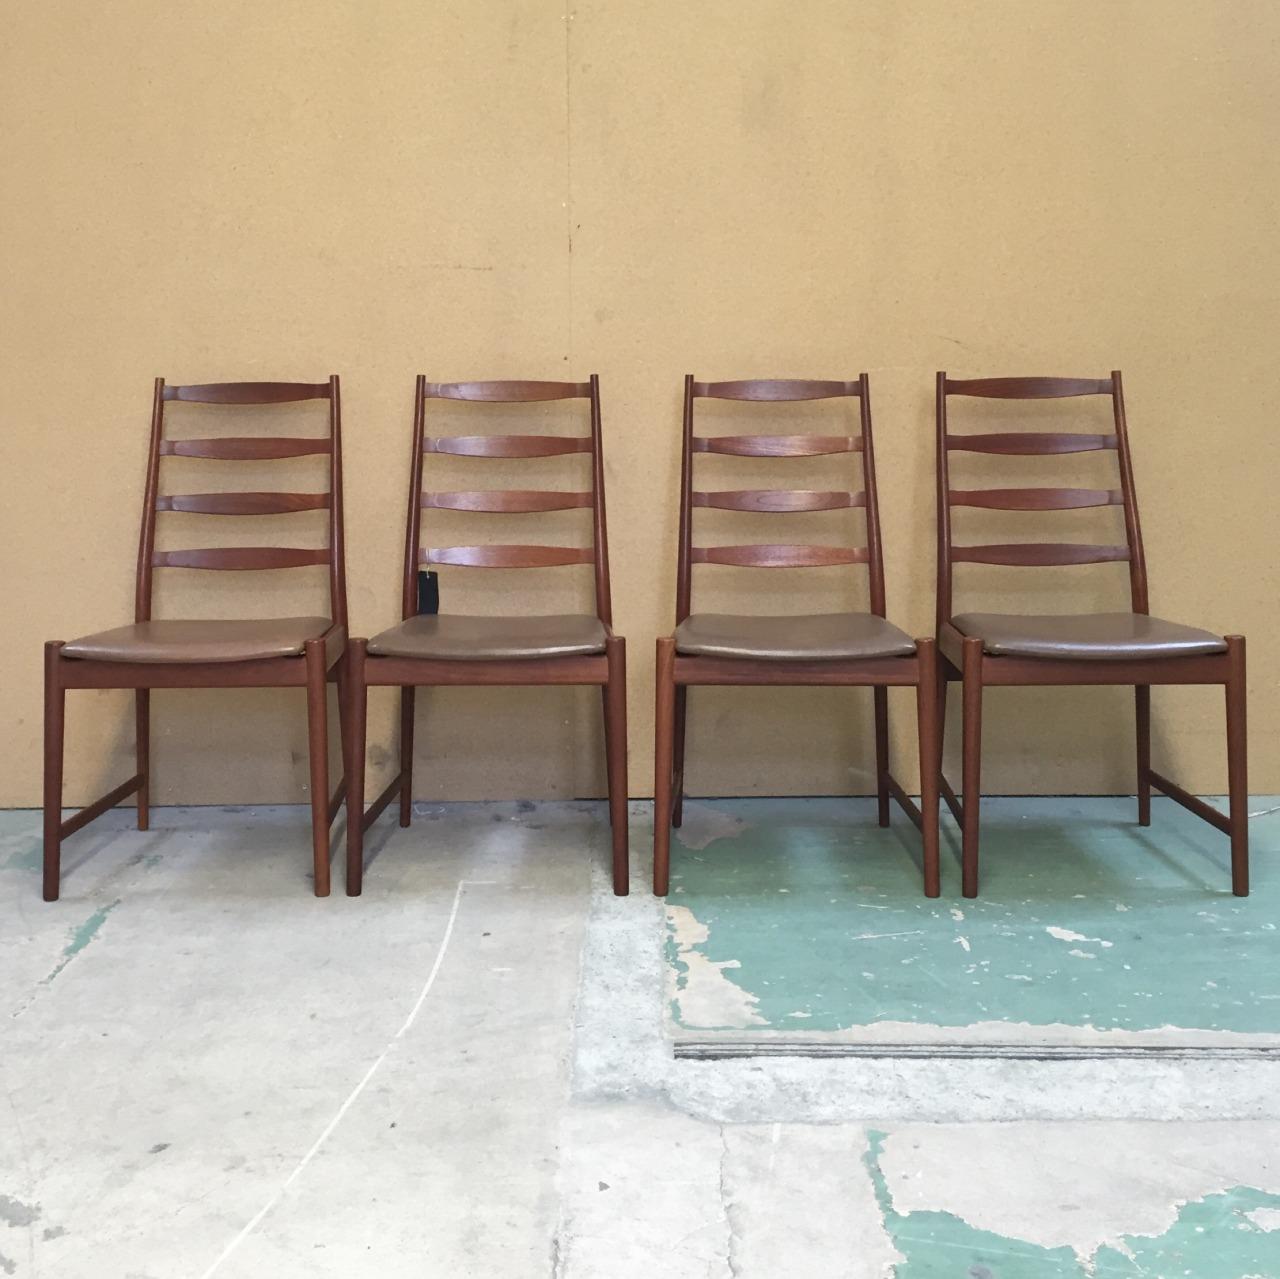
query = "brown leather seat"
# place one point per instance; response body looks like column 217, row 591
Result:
column 200, row 641
column 1097, row 637
column 806, row 638
column 461, row 638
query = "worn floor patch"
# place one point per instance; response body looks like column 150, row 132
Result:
column 805, row 919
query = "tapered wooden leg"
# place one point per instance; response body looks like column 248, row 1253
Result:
column 341, row 674
column 55, row 700
column 972, row 687
column 1142, row 717
column 357, row 716
column 406, row 754
column 930, row 749
column 664, row 726
column 881, row 696
column 616, row 751
column 318, row 751
column 677, row 755
column 142, row 745
column 1237, row 766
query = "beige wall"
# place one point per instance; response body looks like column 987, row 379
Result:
column 474, row 189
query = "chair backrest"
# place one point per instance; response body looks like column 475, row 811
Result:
column 1038, row 443
column 244, row 448
column 778, row 501
column 508, row 501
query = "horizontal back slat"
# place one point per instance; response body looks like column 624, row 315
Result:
column 1039, row 553
column 507, row 501
column 246, row 448
column 1030, row 443
column 240, row 557
column 775, row 556
column 1035, row 499
column 507, row 445
column 776, row 445
column 507, row 392
column 779, row 501
column 497, row 556
column 242, row 503
column 1028, row 388
column 775, row 390
column 248, row 392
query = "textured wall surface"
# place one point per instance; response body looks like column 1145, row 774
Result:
column 507, row 189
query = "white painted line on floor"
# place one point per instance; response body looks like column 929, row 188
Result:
column 266, row 1208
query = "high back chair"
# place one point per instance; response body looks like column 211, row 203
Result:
column 982, row 649
column 249, row 653
column 518, row 649
column 837, row 649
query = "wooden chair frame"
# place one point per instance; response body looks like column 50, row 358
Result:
column 964, row 659
column 678, row 672
column 321, row 663
column 608, row 670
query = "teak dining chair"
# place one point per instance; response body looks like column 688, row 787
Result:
column 832, row 649
column 993, row 649
column 287, row 652
column 430, row 649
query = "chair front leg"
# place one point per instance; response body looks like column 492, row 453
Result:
column 55, row 702
column 616, row 760
column 407, row 706
column 677, row 754
column 971, row 797
column 357, row 718
column 1142, row 719
column 930, row 760
column 1237, row 766
column 664, row 726
column 318, row 752
column 142, row 747
column 880, row 696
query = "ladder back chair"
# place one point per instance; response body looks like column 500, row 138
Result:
column 855, row 649
column 996, row 649
column 433, row 649
column 303, row 652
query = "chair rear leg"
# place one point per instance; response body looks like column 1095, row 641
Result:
column 318, row 751
column 1237, row 766
column 142, row 739
column 881, row 696
column 677, row 755
column 407, row 707
column 357, row 717
column 1142, row 718
column 972, row 688
column 615, row 713
column 664, row 725
column 930, row 750
column 55, row 700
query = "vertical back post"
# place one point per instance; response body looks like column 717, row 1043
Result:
column 337, row 530
column 147, row 537
column 683, row 574
column 1133, row 530
column 875, row 553
column 413, row 524
column 944, row 507
column 600, row 527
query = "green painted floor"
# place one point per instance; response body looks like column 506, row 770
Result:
column 802, row 917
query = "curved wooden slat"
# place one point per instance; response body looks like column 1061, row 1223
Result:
column 775, row 389
column 779, row 556
column 246, row 448
column 507, row 445
column 1039, row 553
column 507, row 392
column 497, row 556
column 1030, row 442
column 507, row 501
column 1028, row 388
column 779, row 501
column 243, row 503
column 776, row 445
column 248, row 392
column 240, row 557
column 1035, row 499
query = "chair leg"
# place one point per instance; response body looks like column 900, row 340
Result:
column 664, row 726
column 616, row 759
column 142, row 740
column 930, row 747
column 406, row 754
column 318, row 751
column 677, row 755
column 972, row 688
column 1237, row 766
column 55, row 702
column 1142, row 717
column 881, row 696
column 357, row 717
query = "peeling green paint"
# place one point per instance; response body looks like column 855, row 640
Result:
column 81, row 936
column 1212, row 1238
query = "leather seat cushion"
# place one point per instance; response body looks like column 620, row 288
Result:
column 804, row 638
column 1096, row 637
column 200, row 641
column 462, row 638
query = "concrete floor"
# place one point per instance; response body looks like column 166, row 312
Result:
column 208, row 1072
